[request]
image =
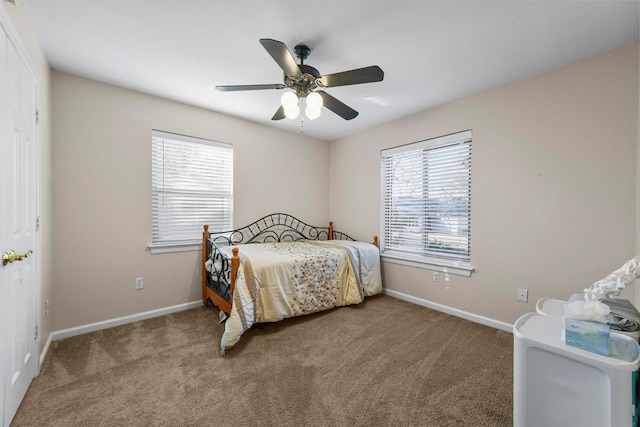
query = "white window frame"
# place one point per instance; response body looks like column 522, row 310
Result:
column 185, row 171
column 426, row 258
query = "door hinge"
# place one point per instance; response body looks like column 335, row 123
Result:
column 37, row 116
column 37, row 332
column 38, row 223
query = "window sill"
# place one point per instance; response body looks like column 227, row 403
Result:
column 434, row 264
column 176, row 247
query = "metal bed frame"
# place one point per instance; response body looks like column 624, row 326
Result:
column 218, row 285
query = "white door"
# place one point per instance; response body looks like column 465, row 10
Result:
column 18, row 275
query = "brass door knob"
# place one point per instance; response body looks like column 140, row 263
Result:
column 9, row 257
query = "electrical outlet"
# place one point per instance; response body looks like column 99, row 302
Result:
column 523, row 295
column 46, row 307
column 436, row 276
column 139, row 282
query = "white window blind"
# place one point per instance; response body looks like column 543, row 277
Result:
column 426, row 194
column 192, row 185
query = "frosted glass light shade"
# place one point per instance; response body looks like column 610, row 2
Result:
column 292, row 113
column 314, row 101
column 289, row 100
column 312, row 113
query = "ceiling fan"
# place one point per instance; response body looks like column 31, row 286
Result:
column 307, row 83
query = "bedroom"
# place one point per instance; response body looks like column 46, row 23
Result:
column 556, row 152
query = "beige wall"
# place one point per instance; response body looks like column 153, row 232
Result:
column 554, row 185
column 20, row 21
column 102, row 195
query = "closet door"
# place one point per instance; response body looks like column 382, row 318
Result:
column 18, row 270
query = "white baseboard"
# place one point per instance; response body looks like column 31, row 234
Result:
column 79, row 330
column 453, row 311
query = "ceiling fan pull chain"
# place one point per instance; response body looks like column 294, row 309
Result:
column 301, row 123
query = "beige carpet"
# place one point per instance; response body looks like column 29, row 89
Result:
column 385, row 362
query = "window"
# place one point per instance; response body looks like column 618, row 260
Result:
column 192, row 185
column 426, row 195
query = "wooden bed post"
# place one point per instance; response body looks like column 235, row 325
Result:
column 209, row 294
column 235, row 264
column 375, row 241
column 205, row 237
column 330, row 230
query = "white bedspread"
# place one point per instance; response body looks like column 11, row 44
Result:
column 287, row 279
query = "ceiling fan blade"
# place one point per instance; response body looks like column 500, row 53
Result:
column 249, row 87
column 280, row 53
column 353, row 77
column 279, row 115
column 337, row 107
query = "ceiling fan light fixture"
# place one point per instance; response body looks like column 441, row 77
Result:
column 313, row 103
column 292, row 113
column 314, row 100
column 289, row 100
column 311, row 113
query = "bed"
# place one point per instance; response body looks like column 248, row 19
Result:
column 279, row 267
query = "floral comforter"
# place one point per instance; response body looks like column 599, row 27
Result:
column 287, row 279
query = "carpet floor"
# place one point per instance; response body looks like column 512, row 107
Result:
column 385, row 362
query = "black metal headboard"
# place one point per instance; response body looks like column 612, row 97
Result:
column 277, row 227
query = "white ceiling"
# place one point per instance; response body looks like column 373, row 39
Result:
column 431, row 52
